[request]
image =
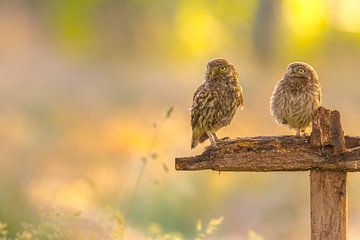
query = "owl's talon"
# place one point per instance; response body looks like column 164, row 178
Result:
column 224, row 139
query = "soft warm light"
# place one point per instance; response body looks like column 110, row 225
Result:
column 348, row 16
column 197, row 29
column 76, row 195
column 305, row 17
column 126, row 135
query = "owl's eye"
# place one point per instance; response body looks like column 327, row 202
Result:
column 301, row 70
column 222, row 68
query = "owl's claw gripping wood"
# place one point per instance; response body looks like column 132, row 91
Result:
column 301, row 133
column 296, row 97
column 215, row 101
column 224, row 139
column 298, row 132
column 221, row 139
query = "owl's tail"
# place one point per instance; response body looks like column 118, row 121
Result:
column 198, row 137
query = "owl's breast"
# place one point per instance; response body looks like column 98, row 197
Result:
column 228, row 103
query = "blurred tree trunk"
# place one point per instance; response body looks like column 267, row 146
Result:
column 264, row 29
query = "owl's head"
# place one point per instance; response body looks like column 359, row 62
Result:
column 302, row 70
column 220, row 69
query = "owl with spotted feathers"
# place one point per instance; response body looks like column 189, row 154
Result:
column 296, row 97
column 215, row 101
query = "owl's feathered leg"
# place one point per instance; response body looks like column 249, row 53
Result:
column 216, row 137
column 298, row 132
column 212, row 138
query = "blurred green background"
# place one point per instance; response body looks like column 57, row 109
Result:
column 85, row 85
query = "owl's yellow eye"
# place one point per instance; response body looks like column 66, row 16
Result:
column 301, row 70
column 222, row 68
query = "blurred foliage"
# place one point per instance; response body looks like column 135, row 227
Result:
column 196, row 28
column 254, row 236
column 56, row 225
column 204, row 231
column 86, row 84
column 72, row 22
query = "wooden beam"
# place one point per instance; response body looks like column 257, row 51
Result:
column 266, row 154
column 352, row 142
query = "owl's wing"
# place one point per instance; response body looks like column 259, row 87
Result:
column 277, row 100
column 320, row 96
column 199, row 109
column 199, row 90
column 198, row 99
column 241, row 99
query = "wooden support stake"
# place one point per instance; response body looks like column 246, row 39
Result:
column 328, row 198
column 328, row 204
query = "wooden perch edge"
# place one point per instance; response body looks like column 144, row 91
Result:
column 265, row 154
column 325, row 149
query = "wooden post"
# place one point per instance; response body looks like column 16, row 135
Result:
column 328, row 197
column 328, row 204
column 327, row 154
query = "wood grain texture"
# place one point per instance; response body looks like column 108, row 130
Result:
column 352, row 142
column 328, row 205
column 328, row 199
column 266, row 154
column 327, row 132
column 325, row 149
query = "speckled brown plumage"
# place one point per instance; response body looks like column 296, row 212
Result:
column 296, row 97
column 215, row 101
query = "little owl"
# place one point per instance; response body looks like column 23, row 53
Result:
column 215, row 101
column 296, row 97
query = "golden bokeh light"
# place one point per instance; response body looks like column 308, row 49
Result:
column 198, row 29
column 86, row 88
column 348, row 16
column 76, row 195
column 305, row 18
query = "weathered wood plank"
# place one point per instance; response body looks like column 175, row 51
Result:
column 265, row 154
column 352, row 142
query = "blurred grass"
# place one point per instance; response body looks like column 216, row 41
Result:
column 83, row 82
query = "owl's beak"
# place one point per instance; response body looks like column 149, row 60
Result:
column 212, row 73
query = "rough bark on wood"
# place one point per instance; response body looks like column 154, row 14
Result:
column 265, row 154
column 328, row 199
column 352, row 142
column 327, row 132
column 328, row 205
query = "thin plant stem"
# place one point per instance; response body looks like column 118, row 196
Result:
column 142, row 170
